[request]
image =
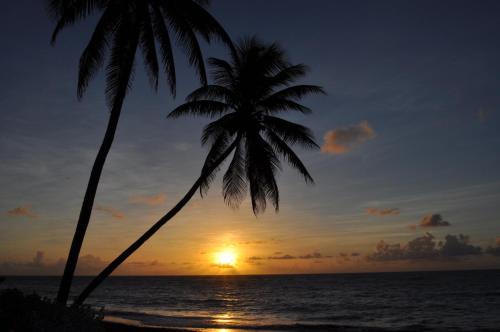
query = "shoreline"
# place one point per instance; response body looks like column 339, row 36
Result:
column 114, row 326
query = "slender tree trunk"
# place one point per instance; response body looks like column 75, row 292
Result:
column 88, row 202
column 150, row 232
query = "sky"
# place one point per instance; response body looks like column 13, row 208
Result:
column 407, row 177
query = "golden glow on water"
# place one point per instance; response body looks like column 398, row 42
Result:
column 223, row 318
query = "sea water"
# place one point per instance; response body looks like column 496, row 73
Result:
column 417, row 301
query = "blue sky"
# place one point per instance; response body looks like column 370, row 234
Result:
column 423, row 76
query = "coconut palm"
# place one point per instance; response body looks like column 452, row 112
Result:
column 247, row 95
column 123, row 27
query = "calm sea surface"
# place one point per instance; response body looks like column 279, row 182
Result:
column 439, row 301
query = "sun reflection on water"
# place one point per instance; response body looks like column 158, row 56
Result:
column 224, row 318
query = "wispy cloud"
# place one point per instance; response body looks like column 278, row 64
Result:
column 111, row 211
column 151, row 200
column 382, row 212
column 22, row 211
column 342, row 140
column 280, row 256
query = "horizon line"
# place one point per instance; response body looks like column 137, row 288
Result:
column 254, row 275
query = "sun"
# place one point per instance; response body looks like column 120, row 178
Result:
column 226, row 258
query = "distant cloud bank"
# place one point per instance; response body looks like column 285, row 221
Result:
column 87, row 265
column 425, row 247
column 280, row 256
column 342, row 140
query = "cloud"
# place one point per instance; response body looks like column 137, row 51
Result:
column 425, row 247
column 495, row 251
column 22, row 211
column 433, row 220
column 342, row 140
column 458, row 246
column 280, row 256
column 151, row 263
column 255, row 258
column 382, row 212
column 252, row 242
column 344, row 257
column 286, row 256
column 111, row 211
column 151, row 200
column 38, row 259
column 313, row 256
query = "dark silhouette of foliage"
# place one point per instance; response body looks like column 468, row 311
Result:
column 19, row 312
column 123, row 28
column 247, row 95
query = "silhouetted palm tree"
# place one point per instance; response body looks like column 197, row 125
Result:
column 247, row 95
column 124, row 27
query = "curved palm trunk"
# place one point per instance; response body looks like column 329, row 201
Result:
column 150, row 232
column 88, row 202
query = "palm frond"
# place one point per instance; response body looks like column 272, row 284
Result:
column 261, row 167
column 205, row 24
column 293, row 160
column 212, row 92
column 119, row 71
column 186, row 38
column 278, row 105
column 148, row 47
column 296, row 92
column 93, row 56
column 163, row 37
column 291, row 133
column 71, row 11
column 222, row 72
column 234, row 181
column 288, row 75
column 226, row 124
column 219, row 146
column 200, row 108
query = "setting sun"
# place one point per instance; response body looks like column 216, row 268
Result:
column 226, row 258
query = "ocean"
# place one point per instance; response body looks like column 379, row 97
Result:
column 416, row 301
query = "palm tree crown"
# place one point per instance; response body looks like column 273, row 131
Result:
column 126, row 25
column 247, row 95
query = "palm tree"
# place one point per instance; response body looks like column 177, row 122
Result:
column 246, row 96
column 124, row 26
